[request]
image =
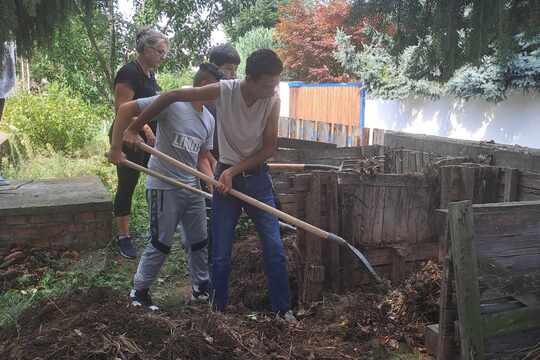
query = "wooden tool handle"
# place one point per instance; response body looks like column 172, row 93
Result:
column 247, row 199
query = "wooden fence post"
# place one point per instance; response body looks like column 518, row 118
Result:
column 314, row 269
column 460, row 216
column 332, row 203
column 447, row 313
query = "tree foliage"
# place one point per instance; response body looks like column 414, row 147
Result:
column 462, row 47
column 254, row 14
column 254, row 39
column 307, row 39
column 86, row 51
column 32, row 22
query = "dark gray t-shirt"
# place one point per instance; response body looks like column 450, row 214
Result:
column 182, row 133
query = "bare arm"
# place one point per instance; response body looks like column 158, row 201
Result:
column 123, row 93
column 204, row 93
column 124, row 116
column 205, row 166
column 268, row 148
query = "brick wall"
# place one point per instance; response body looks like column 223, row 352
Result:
column 75, row 212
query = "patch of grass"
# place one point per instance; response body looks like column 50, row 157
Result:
column 100, row 268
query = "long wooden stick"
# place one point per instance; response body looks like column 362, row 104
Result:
column 180, row 184
column 258, row 204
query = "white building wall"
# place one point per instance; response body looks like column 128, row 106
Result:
column 513, row 121
column 284, row 97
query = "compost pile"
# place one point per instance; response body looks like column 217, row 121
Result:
column 98, row 323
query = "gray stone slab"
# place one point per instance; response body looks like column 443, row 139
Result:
column 62, row 194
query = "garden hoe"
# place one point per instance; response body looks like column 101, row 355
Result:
column 260, row 205
column 180, row 184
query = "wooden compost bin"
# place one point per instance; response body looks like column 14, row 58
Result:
column 389, row 217
column 493, row 259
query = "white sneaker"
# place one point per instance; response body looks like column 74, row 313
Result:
column 289, row 317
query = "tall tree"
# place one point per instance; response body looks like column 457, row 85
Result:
column 252, row 15
column 307, row 39
column 32, row 22
column 463, row 31
column 464, row 48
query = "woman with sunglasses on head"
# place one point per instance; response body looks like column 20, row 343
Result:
column 136, row 80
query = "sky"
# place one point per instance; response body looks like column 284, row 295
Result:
column 126, row 9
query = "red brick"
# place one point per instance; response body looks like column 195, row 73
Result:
column 86, row 217
column 51, row 218
column 52, row 231
column 24, row 232
column 15, row 220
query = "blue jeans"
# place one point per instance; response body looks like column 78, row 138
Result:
column 226, row 211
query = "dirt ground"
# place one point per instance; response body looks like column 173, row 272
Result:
column 99, row 324
column 24, row 266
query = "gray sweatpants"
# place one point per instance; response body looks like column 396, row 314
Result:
column 168, row 208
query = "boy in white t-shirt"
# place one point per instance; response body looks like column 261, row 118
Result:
column 247, row 132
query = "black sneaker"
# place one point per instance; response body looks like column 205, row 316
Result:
column 200, row 293
column 142, row 298
column 126, row 248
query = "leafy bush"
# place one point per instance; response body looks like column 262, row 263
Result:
column 169, row 80
column 486, row 81
column 386, row 78
column 255, row 39
column 54, row 119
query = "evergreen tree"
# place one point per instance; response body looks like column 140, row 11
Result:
column 33, row 22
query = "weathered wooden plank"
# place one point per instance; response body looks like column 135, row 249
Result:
column 333, row 263
column 289, row 143
column 446, row 348
column 511, row 185
column 431, row 338
column 529, row 179
column 287, row 156
column 466, row 269
column 517, row 343
column 287, row 198
column 314, row 269
column 391, row 215
column 398, row 156
column 411, row 253
column 510, row 321
column 528, row 194
column 399, row 266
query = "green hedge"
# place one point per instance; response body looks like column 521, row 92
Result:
column 54, row 119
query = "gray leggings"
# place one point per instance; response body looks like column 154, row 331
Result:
column 168, row 208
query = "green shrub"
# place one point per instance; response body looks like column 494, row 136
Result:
column 254, row 39
column 53, row 119
column 168, row 80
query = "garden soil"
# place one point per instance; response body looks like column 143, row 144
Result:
column 98, row 323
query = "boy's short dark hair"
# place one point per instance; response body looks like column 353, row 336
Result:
column 263, row 62
column 224, row 54
column 208, row 72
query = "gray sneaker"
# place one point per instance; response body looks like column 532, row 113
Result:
column 126, row 248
